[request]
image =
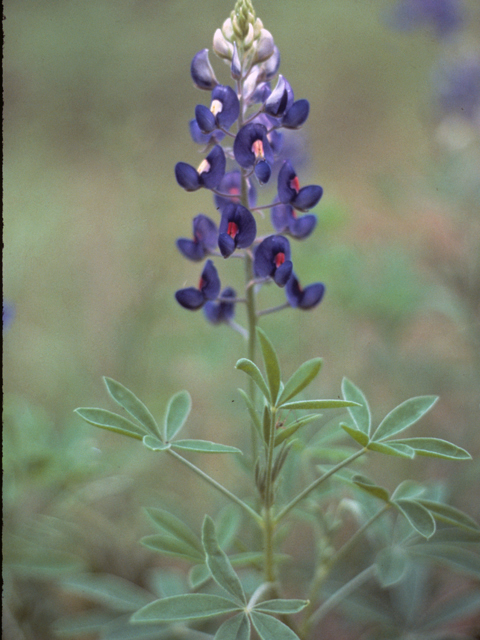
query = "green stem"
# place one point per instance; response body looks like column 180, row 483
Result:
column 303, row 494
column 269, row 527
column 258, row 519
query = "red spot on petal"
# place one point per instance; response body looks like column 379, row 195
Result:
column 201, row 284
column 234, row 191
column 295, row 184
column 232, row 229
column 279, row 259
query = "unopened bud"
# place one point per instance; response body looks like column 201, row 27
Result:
column 236, row 66
column 221, row 46
column 257, row 27
column 227, row 30
column 248, row 39
column 270, row 66
column 265, row 47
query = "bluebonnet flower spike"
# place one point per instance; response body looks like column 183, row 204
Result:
column 272, row 258
column 204, row 239
column 208, row 289
column 306, row 298
column 237, row 229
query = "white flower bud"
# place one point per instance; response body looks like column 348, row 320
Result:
column 227, row 30
column 257, row 27
column 248, row 41
column 221, row 46
column 265, row 46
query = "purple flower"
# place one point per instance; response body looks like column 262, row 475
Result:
column 444, row 15
column 231, row 184
column 8, row 314
column 296, row 115
column 272, row 258
column 306, row 298
column 237, row 229
column 251, row 147
column 280, row 100
column 204, row 239
column 201, row 71
column 204, row 138
column 223, row 112
column 221, row 311
column 284, row 220
column 209, row 173
column 289, row 191
column 208, row 289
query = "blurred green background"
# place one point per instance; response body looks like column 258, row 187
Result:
column 98, row 97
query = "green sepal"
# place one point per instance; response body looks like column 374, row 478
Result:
column 360, row 414
column 286, row 432
column 219, row 564
column 357, row 435
column 154, row 444
column 370, row 487
column 418, row 516
column 302, row 377
column 272, row 368
column 251, row 369
column 111, row 422
column 175, row 527
column 316, row 404
column 434, row 448
column 170, row 546
column 281, row 606
column 203, row 446
column 269, row 628
column 251, row 411
column 391, row 564
column 178, row 410
column 392, row 449
column 403, row 416
column 129, row 401
column 191, row 606
column 450, row 515
column 235, row 628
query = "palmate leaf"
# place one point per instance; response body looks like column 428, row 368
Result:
column 191, row 606
column 219, row 564
column 360, row 414
column 178, row 410
column 450, row 515
column 251, row 369
column 129, row 401
column 269, row 628
column 434, row 448
column 227, row 524
column 235, row 628
column 272, row 368
column 175, row 527
column 111, row 422
column 302, row 377
column 404, row 416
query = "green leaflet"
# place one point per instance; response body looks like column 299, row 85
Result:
column 115, row 592
column 219, row 564
column 281, row 606
column 203, row 446
column 111, row 422
column 286, row 432
column 251, row 369
column 302, row 377
column 177, row 412
column 175, row 527
column 317, row 404
column 360, row 414
column 370, row 487
column 191, row 606
column 357, row 435
column 251, row 410
column 154, row 444
column 435, row 448
column 272, row 368
column 392, row 449
column 418, row 516
column 170, row 546
column 391, row 564
column 404, row 416
column 458, row 558
column 269, row 628
column 235, row 628
column 129, row 401
column 450, row 515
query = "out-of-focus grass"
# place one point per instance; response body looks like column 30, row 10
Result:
column 97, row 102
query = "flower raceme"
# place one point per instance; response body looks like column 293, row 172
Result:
column 245, row 126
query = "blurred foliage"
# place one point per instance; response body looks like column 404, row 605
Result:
column 97, row 98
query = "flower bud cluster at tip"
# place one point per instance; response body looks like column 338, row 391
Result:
column 260, row 113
